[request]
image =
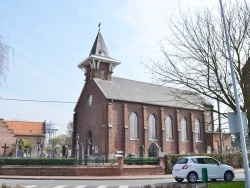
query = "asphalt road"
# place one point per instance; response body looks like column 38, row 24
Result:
column 63, row 182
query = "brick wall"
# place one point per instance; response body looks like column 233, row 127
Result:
column 79, row 171
column 119, row 170
column 6, row 136
column 92, row 118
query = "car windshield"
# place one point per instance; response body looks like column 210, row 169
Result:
column 182, row 161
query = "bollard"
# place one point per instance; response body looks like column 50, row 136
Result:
column 204, row 175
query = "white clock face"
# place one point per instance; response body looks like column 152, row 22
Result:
column 90, row 99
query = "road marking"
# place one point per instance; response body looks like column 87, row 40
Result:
column 102, row 186
column 60, row 186
column 81, row 186
column 123, row 186
column 29, row 186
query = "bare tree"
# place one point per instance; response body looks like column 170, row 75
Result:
column 4, row 57
column 196, row 58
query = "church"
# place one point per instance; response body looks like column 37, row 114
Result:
column 136, row 119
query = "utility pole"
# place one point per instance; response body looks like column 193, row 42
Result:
column 238, row 111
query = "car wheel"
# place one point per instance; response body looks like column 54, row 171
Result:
column 192, row 177
column 213, row 179
column 179, row 179
column 228, row 176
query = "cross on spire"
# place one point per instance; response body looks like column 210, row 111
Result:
column 99, row 25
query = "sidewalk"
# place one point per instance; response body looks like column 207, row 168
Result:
column 132, row 177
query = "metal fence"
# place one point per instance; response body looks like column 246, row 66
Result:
column 97, row 161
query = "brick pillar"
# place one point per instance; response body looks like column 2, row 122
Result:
column 204, row 136
column 126, row 128
column 110, row 125
column 178, row 132
column 163, row 131
column 146, row 136
column 192, row 132
column 162, row 162
column 120, row 161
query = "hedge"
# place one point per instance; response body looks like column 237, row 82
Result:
column 34, row 161
column 142, row 161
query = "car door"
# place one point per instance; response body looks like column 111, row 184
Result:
column 213, row 168
column 200, row 163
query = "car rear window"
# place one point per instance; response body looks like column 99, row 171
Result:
column 182, row 161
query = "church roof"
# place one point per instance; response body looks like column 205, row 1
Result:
column 141, row 92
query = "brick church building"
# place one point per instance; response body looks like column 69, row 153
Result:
column 121, row 116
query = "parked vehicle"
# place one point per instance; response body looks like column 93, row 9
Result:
column 190, row 168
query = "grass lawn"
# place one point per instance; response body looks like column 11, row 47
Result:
column 209, row 185
column 227, row 185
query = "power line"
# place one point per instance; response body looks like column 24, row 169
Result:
column 31, row 100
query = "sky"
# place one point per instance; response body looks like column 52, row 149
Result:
column 50, row 38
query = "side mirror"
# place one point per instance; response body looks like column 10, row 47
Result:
column 219, row 163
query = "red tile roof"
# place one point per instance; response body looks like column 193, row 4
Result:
column 26, row 128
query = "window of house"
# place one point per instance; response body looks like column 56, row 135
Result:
column 133, row 121
column 184, row 136
column 197, row 130
column 152, row 127
column 169, row 128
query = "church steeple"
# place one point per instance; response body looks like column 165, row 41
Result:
column 99, row 46
column 99, row 64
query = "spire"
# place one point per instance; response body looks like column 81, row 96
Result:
column 99, row 47
column 99, row 59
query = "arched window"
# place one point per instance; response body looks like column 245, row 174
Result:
column 133, row 121
column 152, row 127
column 184, row 135
column 89, row 100
column 197, row 130
column 103, row 74
column 169, row 128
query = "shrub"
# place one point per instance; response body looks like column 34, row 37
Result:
column 33, row 161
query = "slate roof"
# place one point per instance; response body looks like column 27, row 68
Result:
column 99, row 46
column 26, row 128
column 141, row 92
column 98, row 51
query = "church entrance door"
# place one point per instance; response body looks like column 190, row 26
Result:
column 153, row 150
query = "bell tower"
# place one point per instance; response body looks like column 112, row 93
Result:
column 99, row 64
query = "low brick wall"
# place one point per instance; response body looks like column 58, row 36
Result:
column 142, row 170
column 119, row 170
column 79, row 171
column 59, row 171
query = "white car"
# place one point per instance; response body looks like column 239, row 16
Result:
column 190, row 168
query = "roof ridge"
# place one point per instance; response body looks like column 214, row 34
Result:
column 154, row 84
